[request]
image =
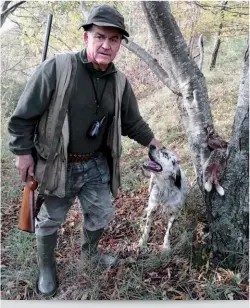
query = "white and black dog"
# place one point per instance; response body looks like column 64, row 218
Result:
column 167, row 190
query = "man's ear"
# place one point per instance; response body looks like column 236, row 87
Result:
column 85, row 38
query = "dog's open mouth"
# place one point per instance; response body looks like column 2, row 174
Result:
column 153, row 166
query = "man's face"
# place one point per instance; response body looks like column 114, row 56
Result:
column 102, row 43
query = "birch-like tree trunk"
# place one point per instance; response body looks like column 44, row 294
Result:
column 194, row 105
column 229, row 216
column 218, row 36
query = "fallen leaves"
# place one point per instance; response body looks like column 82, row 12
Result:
column 142, row 274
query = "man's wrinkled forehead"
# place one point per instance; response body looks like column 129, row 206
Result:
column 106, row 31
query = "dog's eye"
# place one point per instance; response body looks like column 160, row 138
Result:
column 173, row 162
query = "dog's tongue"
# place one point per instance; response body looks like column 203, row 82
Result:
column 152, row 164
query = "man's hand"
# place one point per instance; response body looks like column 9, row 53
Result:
column 176, row 155
column 156, row 143
column 25, row 165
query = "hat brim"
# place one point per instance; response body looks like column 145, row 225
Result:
column 103, row 24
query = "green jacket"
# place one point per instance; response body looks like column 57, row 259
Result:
column 40, row 94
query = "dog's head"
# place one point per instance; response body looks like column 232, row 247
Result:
column 163, row 162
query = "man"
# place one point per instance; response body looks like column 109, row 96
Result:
column 88, row 175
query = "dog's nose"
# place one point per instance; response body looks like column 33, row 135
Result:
column 152, row 147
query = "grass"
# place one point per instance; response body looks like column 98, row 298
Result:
column 187, row 272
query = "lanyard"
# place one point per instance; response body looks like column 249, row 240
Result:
column 97, row 101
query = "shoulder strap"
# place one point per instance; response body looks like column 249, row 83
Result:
column 66, row 65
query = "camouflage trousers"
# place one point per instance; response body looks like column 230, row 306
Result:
column 89, row 181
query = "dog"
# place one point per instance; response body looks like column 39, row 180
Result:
column 167, row 189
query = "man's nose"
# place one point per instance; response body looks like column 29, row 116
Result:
column 106, row 44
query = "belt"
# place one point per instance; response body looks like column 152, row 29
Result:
column 78, row 158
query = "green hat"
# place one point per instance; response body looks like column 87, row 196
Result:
column 106, row 16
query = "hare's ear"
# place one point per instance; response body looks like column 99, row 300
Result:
column 178, row 177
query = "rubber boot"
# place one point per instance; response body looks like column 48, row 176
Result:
column 91, row 255
column 47, row 282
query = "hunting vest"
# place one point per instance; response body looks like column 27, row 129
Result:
column 52, row 133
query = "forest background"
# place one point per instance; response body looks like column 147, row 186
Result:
column 188, row 272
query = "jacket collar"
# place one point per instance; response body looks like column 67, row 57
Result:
column 89, row 65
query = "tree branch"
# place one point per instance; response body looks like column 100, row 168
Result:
column 152, row 63
column 84, row 9
column 201, row 47
column 7, row 11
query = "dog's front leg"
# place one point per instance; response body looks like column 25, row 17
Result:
column 144, row 238
column 166, row 244
column 151, row 183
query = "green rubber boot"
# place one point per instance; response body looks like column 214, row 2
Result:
column 47, row 282
column 91, row 255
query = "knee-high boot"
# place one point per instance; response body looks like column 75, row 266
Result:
column 47, row 282
column 91, row 253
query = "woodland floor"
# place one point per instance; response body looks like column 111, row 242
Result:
column 187, row 272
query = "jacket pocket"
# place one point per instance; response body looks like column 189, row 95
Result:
column 54, row 171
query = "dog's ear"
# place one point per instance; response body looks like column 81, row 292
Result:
column 178, row 177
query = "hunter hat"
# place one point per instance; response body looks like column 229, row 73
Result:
column 106, row 16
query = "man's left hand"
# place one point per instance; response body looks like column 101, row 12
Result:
column 156, row 143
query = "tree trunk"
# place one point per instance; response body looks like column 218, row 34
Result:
column 228, row 215
column 218, row 37
column 201, row 48
column 194, row 105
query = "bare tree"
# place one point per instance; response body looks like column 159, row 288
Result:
column 218, row 36
column 228, row 214
column 7, row 9
column 201, row 48
column 84, row 9
column 194, row 106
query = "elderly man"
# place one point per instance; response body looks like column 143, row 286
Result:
column 88, row 172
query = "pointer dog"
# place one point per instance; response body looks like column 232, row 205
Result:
column 167, row 190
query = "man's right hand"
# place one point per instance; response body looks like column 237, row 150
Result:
column 25, row 165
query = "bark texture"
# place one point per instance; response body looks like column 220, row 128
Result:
column 194, row 104
column 229, row 215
